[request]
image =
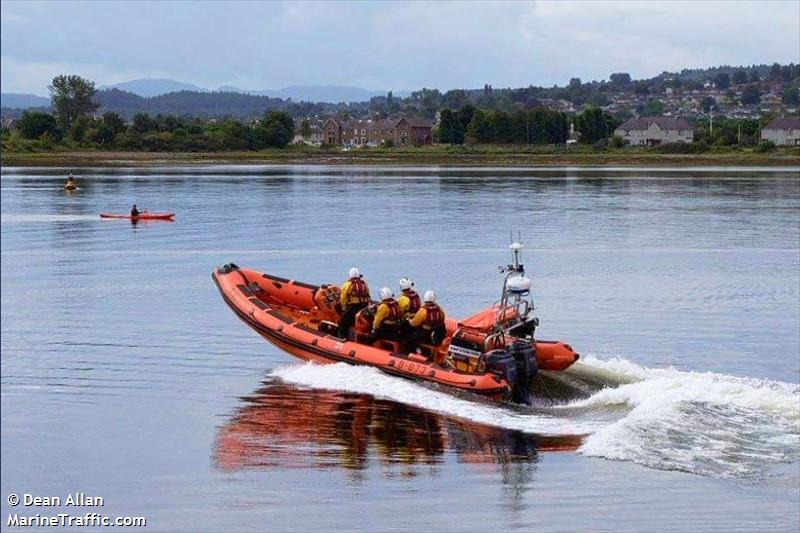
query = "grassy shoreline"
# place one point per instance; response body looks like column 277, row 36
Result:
column 436, row 155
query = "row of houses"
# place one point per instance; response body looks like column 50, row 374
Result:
column 650, row 131
column 366, row 132
column 369, row 132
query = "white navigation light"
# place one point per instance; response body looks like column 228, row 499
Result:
column 518, row 285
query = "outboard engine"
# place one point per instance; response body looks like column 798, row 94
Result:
column 517, row 365
column 502, row 363
column 525, row 357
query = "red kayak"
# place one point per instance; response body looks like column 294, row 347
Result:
column 142, row 216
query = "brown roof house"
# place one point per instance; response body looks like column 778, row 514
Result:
column 655, row 130
column 782, row 131
column 361, row 132
column 331, row 132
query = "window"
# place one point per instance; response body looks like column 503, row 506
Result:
column 363, row 132
column 363, row 139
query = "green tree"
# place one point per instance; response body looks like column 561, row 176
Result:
column 501, row 127
column 104, row 134
column 72, row 97
column 620, row 80
column 722, row 80
column 114, row 122
column 594, row 125
column 144, row 123
column 539, row 126
column 275, row 130
column 80, row 128
column 34, row 124
column 480, row 129
column 450, row 128
column 739, row 76
column 231, row 135
column 751, row 95
column 707, row 102
column 791, row 96
column 455, row 99
column 465, row 115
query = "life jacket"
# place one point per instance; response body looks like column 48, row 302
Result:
column 394, row 316
column 414, row 301
column 359, row 292
column 434, row 316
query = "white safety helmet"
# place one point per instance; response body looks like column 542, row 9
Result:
column 354, row 273
column 385, row 293
column 406, row 283
column 430, row 296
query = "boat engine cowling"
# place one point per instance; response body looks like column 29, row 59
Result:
column 517, row 365
column 502, row 363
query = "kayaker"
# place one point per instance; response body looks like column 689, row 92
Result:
column 428, row 323
column 354, row 297
column 135, row 212
column 409, row 300
column 388, row 317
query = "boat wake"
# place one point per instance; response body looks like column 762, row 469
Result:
column 44, row 218
column 703, row 423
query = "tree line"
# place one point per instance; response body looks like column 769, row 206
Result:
column 74, row 121
column 160, row 133
column 525, row 126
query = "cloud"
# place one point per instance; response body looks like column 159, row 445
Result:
column 385, row 45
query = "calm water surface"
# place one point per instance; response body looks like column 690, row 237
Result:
column 125, row 376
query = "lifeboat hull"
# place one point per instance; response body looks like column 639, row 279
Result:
column 284, row 313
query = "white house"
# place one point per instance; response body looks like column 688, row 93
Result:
column 655, row 130
column 782, row 131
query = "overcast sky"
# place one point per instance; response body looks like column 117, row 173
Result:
column 384, row 45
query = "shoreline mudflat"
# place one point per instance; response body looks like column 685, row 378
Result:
column 500, row 158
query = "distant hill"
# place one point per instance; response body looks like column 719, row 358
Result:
column 23, row 101
column 331, row 94
column 154, row 86
column 199, row 104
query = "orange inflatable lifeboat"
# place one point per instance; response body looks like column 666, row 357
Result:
column 492, row 353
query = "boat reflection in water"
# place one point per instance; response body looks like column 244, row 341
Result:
column 285, row 426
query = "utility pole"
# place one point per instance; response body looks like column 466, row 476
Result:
column 711, row 120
